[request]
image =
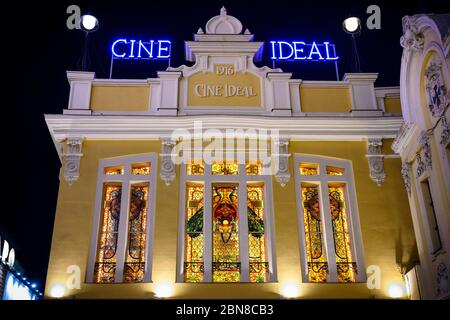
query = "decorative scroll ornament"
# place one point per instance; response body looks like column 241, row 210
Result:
column 421, row 167
column 442, row 281
column 167, row 165
column 406, row 167
column 71, row 159
column 445, row 131
column 412, row 38
column 282, row 173
column 437, row 94
column 375, row 159
column 424, row 141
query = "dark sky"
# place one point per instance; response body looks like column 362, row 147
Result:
column 37, row 49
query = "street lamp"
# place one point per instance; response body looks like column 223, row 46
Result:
column 352, row 26
column 88, row 24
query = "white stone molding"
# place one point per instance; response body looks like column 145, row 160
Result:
column 71, row 157
column 403, row 137
column 411, row 38
column 437, row 95
column 406, row 169
column 364, row 102
column 281, row 98
column 375, row 159
column 223, row 24
column 167, row 166
column 282, row 174
column 80, row 92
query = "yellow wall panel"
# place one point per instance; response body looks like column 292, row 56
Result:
column 325, row 99
column 392, row 105
column 120, row 98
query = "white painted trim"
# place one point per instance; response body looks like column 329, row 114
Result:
column 354, row 228
column 127, row 179
column 153, row 127
column 207, row 179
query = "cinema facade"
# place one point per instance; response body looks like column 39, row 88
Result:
column 307, row 199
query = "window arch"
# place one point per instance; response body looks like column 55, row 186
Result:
column 122, row 232
column 225, row 231
column 328, row 220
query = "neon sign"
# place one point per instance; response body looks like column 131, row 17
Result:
column 141, row 50
column 299, row 50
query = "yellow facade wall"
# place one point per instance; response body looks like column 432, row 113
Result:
column 120, row 98
column 388, row 237
column 325, row 99
column 392, row 105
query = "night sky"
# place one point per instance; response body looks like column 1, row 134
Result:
column 37, row 49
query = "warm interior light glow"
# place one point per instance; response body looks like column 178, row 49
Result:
column 352, row 24
column 290, row 290
column 57, row 291
column 396, row 290
column 163, row 290
column 89, row 22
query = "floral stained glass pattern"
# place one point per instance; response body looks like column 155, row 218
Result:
column 346, row 267
column 134, row 267
column 113, row 170
column 195, row 167
column 309, row 169
column 259, row 266
column 317, row 263
column 225, row 168
column 140, row 168
column 194, row 263
column 226, row 263
column 335, row 171
column 105, row 266
column 253, row 169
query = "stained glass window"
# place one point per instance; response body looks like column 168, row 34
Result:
column 253, row 168
column 335, row 171
column 140, row 168
column 225, row 168
column 309, row 169
column 315, row 253
column 195, row 167
column 113, row 170
column 226, row 264
column 346, row 267
column 105, row 266
column 134, row 267
column 194, row 263
column 258, row 264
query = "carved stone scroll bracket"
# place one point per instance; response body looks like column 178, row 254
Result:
column 167, row 166
column 281, row 156
column 375, row 159
column 71, row 158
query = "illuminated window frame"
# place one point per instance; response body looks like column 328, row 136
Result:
column 354, row 229
column 127, row 180
column 242, row 179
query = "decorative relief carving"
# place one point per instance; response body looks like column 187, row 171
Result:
column 282, row 173
column 424, row 141
column 421, row 167
column 167, row 165
column 437, row 94
column 445, row 134
column 72, row 155
column 442, row 281
column 412, row 38
column 406, row 168
column 375, row 159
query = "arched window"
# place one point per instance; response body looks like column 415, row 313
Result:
column 225, row 223
column 328, row 220
column 122, row 231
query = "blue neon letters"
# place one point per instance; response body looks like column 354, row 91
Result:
column 138, row 49
column 299, row 50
